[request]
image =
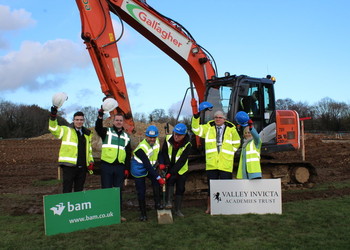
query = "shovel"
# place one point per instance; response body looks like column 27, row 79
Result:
column 164, row 215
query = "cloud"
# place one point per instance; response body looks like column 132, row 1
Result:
column 14, row 20
column 4, row 44
column 186, row 110
column 126, row 38
column 133, row 88
column 36, row 65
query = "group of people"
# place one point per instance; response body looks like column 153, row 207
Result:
column 222, row 140
column 165, row 165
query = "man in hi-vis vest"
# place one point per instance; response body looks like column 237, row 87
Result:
column 115, row 153
column 176, row 149
column 221, row 143
column 75, row 155
column 144, row 164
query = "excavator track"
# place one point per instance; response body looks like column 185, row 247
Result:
column 293, row 175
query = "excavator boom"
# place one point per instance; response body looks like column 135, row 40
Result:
column 279, row 130
column 99, row 36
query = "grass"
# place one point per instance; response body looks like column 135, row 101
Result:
column 312, row 224
column 41, row 183
column 324, row 186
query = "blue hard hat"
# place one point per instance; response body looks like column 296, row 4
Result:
column 242, row 118
column 180, row 129
column 152, row 131
column 204, row 105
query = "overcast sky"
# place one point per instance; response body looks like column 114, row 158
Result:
column 304, row 44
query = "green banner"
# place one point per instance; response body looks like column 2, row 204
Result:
column 70, row 212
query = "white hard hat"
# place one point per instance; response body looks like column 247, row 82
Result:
column 59, row 98
column 109, row 104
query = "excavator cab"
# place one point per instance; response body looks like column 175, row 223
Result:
column 231, row 94
column 278, row 129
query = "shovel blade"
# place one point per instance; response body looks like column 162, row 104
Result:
column 165, row 216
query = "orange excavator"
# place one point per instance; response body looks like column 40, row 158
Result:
column 279, row 129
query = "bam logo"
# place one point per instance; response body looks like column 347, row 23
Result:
column 58, row 209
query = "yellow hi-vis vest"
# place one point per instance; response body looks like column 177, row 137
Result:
column 137, row 168
column 184, row 168
column 68, row 153
column 114, row 146
column 231, row 141
column 252, row 161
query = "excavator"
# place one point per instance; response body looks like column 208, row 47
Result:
column 279, row 129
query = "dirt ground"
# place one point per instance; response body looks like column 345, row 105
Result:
column 28, row 164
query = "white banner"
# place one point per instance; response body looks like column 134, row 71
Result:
column 263, row 196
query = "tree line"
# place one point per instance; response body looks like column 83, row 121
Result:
column 26, row 121
column 326, row 114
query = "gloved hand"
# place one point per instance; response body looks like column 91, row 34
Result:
column 91, row 168
column 100, row 112
column 161, row 181
column 53, row 112
column 250, row 124
column 126, row 173
column 204, row 106
column 167, row 176
column 161, row 166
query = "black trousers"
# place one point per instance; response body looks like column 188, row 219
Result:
column 217, row 175
column 179, row 181
column 140, row 184
column 73, row 179
column 112, row 176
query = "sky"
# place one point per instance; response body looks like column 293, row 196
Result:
column 304, row 44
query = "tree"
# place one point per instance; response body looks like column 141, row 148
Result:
column 284, row 104
column 24, row 121
column 140, row 117
column 158, row 115
column 90, row 114
column 331, row 114
column 303, row 108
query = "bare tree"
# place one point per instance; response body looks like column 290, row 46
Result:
column 303, row 108
column 140, row 117
column 284, row 104
column 90, row 114
column 158, row 115
column 331, row 113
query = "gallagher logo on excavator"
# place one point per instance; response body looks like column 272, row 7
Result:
column 86, row 5
column 172, row 38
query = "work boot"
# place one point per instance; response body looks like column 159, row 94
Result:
column 169, row 197
column 156, row 196
column 178, row 203
column 142, row 205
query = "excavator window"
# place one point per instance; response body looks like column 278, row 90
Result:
column 269, row 107
column 251, row 103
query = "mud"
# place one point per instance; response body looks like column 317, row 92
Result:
column 29, row 171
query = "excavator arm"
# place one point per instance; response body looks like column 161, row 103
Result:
column 166, row 34
column 226, row 92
